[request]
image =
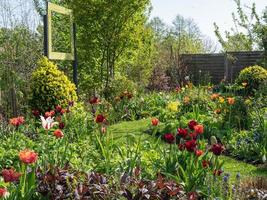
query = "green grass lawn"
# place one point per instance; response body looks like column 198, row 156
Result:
column 136, row 128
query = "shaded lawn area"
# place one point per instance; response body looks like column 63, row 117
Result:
column 136, row 128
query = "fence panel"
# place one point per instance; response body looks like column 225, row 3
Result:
column 220, row 65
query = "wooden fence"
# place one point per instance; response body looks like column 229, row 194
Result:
column 220, row 65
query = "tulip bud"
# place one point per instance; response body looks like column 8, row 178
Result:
column 213, row 140
column 264, row 158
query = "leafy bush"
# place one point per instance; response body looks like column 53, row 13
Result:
column 251, row 78
column 246, row 145
column 118, row 86
column 50, row 87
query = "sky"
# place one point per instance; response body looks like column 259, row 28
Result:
column 204, row 12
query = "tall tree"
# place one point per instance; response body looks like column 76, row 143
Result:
column 248, row 32
column 107, row 30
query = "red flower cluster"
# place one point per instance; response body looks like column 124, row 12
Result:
column 194, row 126
column 217, row 149
column 10, row 175
column 100, row 118
column 28, row 157
column 169, row 138
column 17, row 121
column 190, row 139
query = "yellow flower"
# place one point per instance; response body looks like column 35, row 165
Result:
column 173, row 106
column 221, row 100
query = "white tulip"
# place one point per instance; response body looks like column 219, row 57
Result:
column 48, row 123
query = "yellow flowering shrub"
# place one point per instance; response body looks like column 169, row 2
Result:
column 50, row 87
column 251, row 78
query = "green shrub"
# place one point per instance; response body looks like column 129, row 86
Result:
column 50, row 87
column 118, row 86
column 251, row 78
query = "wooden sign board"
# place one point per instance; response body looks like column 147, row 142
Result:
column 61, row 10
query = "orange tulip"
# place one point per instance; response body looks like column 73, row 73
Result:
column 198, row 153
column 155, row 122
column 28, row 157
column 199, row 129
column 214, row 96
column 231, row 100
column 58, row 133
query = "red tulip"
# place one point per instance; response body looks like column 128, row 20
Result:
column 100, row 118
column 217, row 149
column 49, row 114
column 36, row 113
column 192, row 124
column 217, row 172
column 61, row 125
column 17, row 121
column 169, row 138
column 182, row 132
column 191, row 145
column 62, row 111
column 94, row 100
column 52, row 113
column 10, row 175
column 155, row 122
column 28, row 156
column 58, row 108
